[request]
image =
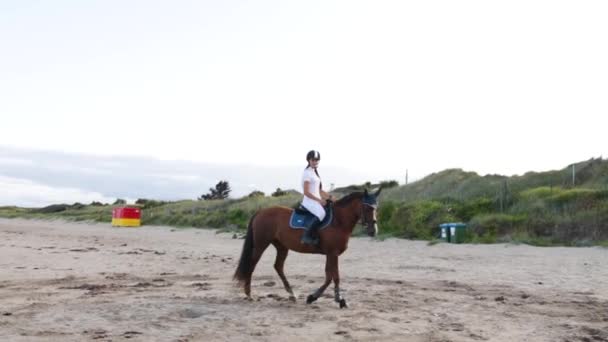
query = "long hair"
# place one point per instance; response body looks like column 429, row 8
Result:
column 317, row 172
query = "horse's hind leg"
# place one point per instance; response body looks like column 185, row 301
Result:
column 278, row 266
column 258, row 250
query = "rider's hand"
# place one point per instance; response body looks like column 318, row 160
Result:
column 323, row 202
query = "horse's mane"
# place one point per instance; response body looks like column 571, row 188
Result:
column 344, row 201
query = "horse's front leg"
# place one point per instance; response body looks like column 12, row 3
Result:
column 330, row 262
column 338, row 297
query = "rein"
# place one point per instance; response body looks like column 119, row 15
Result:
column 363, row 220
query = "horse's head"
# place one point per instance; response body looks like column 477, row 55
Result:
column 368, row 215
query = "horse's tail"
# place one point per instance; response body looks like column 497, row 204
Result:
column 244, row 270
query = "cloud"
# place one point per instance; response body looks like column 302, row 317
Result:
column 26, row 193
column 36, row 177
column 14, row 161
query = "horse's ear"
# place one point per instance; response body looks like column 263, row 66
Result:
column 378, row 192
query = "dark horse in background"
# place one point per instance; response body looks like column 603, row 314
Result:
column 271, row 226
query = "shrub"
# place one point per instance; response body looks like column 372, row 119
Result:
column 255, row 194
column 278, row 193
column 420, row 220
column 495, row 224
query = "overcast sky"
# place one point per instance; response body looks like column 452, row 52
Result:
column 36, row 178
column 377, row 86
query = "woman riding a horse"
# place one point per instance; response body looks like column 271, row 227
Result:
column 271, row 226
column 315, row 198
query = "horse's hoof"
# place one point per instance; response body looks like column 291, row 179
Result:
column 343, row 304
column 310, row 299
column 292, row 299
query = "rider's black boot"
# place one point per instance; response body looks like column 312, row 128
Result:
column 311, row 235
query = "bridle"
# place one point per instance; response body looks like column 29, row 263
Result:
column 370, row 204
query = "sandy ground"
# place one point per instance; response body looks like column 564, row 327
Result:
column 64, row 281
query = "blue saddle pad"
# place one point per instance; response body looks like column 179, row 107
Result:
column 304, row 219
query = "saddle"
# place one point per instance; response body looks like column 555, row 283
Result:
column 301, row 218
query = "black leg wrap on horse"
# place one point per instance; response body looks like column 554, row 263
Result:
column 339, row 299
column 313, row 297
column 337, row 296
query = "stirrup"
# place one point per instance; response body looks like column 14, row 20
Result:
column 309, row 240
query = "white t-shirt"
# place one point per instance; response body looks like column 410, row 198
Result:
column 314, row 187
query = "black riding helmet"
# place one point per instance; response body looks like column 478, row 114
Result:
column 313, row 155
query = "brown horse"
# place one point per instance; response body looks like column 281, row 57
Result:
column 271, row 226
